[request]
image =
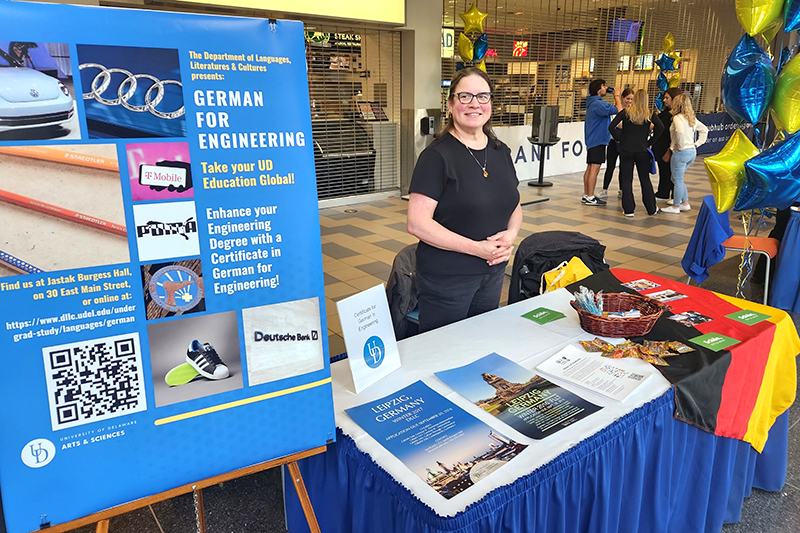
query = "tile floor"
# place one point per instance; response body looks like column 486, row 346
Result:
column 359, row 242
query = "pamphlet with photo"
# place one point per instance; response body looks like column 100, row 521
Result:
column 667, row 295
column 690, row 318
column 447, row 447
column 641, row 285
column 525, row 401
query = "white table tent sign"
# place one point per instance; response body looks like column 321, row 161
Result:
column 368, row 336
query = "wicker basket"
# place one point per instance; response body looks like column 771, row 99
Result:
column 649, row 309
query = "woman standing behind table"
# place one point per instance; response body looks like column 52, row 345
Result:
column 612, row 152
column 661, row 149
column 464, row 208
column 684, row 149
column 637, row 123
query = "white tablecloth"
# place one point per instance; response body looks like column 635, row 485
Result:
column 505, row 332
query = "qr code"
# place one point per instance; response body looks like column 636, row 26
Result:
column 94, row 380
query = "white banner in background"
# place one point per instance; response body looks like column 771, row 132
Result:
column 564, row 157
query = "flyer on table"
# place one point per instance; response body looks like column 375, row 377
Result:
column 447, row 447
column 161, row 290
column 613, row 378
column 525, row 401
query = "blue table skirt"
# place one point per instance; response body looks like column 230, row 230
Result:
column 785, row 293
column 646, row 472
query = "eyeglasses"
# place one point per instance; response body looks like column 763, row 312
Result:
column 465, row 98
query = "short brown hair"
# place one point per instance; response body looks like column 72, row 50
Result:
column 595, row 86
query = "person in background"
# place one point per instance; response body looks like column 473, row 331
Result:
column 684, row 149
column 596, row 136
column 612, row 151
column 637, row 124
column 531, row 102
column 464, row 208
column 661, row 149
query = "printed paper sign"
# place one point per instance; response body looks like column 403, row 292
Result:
column 542, row 315
column 714, row 341
column 748, row 317
column 615, row 379
column 369, row 336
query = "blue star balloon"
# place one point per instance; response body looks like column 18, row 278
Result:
column 791, row 15
column 659, row 101
column 460, row 66
column 665, row 62
column 480, row 48
column 772, row 178
column 748, row 81
column 662, row 82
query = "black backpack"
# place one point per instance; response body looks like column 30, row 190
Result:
column 544, row 251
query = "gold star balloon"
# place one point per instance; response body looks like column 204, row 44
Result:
column 726, row 169
column 770, row 32
column 786, row 102
column 669, row 42
column 473, row 20
column 464, row 47
column 482, row 66
column 779, row 138
column 674, row 80
column 756, row 15
column 778, row 126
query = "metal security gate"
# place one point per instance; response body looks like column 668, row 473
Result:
column 354, row 88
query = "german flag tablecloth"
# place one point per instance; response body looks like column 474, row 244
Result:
column 734, row 392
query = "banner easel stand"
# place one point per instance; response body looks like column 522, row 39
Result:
column 102, row 518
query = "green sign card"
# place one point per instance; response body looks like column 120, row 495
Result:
column 745, row 316
column 543, row 315
column 714, row 341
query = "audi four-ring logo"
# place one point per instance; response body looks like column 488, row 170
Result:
column 127, row 88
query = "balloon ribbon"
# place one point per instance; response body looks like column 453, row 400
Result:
column 746, row 263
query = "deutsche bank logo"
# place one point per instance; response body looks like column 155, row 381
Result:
column 38, row 453
column 374, row 352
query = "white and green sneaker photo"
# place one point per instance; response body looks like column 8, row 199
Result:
column 181, row 375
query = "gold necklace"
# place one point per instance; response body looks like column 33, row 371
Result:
column 485, row 157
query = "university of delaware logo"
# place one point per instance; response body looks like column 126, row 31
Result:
column 374, row 350
column 38, row 453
